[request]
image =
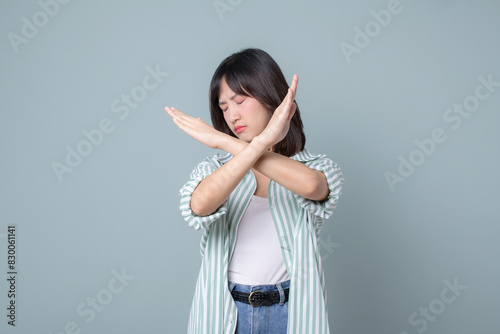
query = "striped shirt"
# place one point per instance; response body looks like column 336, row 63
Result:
column 298, row 222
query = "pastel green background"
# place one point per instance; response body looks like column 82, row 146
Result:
column 388, row 253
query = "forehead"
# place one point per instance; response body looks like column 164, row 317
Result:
column 224, row 88
column 225, row 92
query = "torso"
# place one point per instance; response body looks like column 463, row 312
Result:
column 262, row 184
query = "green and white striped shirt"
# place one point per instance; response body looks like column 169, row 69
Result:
column 298, row 222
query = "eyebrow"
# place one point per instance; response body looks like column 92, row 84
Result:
column 231, row 98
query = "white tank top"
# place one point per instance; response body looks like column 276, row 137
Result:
column 257, row 257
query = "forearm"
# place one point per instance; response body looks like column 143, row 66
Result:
column 289, row 173
column 212, row 191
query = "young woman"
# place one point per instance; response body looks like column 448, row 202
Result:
column 260, row 206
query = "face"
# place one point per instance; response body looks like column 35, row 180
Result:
column 244, row 115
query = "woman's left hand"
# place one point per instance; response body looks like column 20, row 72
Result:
column 279, row 124
column 196, row 128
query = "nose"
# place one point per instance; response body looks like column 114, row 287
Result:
column 234, row 114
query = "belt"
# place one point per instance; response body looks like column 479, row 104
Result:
column 259, row 298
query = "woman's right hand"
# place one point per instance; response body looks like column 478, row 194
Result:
column 279, row 124
column 196, row 128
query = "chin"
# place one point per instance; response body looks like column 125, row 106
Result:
column 244, row 137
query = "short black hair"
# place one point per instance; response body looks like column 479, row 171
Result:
column 252, row 72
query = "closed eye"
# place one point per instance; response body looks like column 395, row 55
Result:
column 224, row 110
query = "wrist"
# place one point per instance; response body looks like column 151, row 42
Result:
column 261, row 145
column 224, row 141
column 232, row 144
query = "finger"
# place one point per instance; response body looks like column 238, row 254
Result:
column 169, row 111
column 290, row 97
column 176, row 118
column 179, row 124
column 179, row 118
column 187, row 123
column 295, row 82
column 184, row 126
column 172, row 112
column 292, row 111
column 286, row 106
column 179, row 115
column 186, row 117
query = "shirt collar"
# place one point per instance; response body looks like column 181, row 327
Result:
column 302, row 156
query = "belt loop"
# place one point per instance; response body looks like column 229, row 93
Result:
column 231, row 286
column 282, row 293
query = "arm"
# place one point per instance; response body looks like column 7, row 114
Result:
column 216, row 187
column 212, row 191
column 291, row 174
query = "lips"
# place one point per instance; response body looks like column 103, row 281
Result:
column 239, row 128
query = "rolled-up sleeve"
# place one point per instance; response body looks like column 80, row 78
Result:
column 202, row 170
column 324, row 209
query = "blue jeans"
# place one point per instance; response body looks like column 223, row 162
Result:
column 261, row 319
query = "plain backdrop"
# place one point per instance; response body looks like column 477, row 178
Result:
column 91, row 164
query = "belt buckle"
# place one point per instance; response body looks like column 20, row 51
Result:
column 250, row 299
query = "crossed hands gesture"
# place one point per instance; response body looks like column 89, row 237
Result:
column 275, row 131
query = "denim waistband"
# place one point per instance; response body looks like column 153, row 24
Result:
column 263, row 288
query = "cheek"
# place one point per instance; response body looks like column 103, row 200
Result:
column 263, row 116
column 255, row 111
column 225, row 117
column 228, row 122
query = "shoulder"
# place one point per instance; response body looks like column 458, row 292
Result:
column 212, row 162
column 305, row 156
column 219, row 159
column 316, row 161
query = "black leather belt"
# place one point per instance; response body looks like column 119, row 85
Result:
column 258, row 298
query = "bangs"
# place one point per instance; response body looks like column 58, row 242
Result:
column 236, row 83
column 241, row 79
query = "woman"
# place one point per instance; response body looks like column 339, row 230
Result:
column 260, row 206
